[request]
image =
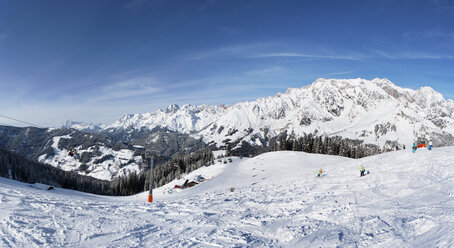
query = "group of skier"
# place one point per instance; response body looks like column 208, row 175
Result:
column 397, row 147
column 362, row 172
column 415, row 147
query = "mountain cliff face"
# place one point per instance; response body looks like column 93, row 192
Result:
column 375, row 111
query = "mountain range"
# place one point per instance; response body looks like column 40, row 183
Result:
column 374, row 111
column 332, row 116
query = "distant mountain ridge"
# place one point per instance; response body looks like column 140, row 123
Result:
column 375, row 111
column 83, row 126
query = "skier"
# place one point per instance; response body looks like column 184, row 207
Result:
column 72, row 152
column 430, row 145
column 363, row 171
column 403, row 146
column 414, row 147
column 186, row 184
column 320, row 173
column 397, row 147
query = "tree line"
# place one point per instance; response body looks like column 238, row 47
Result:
column 164, row 172
column 309, row 143
column 18, row 168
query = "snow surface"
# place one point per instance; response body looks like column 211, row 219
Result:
column 271, row 200
column 118, row 163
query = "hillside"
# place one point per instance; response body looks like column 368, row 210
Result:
column 97, row 155
column 104, row 156
column 407, row 200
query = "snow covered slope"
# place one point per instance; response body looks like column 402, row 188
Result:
column 97, row 161
column 272, row 200
column 375, row 111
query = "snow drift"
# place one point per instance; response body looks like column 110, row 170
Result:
column 407, row 200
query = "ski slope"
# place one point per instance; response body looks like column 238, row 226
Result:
column 272, row 200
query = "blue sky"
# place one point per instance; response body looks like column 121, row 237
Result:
column 94, row 61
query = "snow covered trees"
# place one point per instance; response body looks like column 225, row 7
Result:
column 21, row 169
column 311, row 144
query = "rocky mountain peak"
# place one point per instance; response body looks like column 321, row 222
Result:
column 351, row 108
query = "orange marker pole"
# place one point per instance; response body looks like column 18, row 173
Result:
column 150, row 194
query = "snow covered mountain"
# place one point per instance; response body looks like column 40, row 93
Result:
column 271, row 200
column 374, row 111
column 96, row 155
column 83, row 126
column 100, row 155
column 97, row 160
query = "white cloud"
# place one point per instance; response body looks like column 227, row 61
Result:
column 239, row 51
column 411, row 55
column 309, row 56
column 129, row 88
column 340, row 73
column 265, row 71
column 428, row 34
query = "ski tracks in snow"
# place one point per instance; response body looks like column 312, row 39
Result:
column 261, row 202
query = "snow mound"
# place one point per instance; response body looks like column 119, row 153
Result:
column 407, row 200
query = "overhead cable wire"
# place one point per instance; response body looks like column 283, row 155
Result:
column 11, row 118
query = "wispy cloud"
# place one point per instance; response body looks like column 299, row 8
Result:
column 411, row 55
column 139, row 86
column 268, row 50
column 236, row 51
column 340, row 73
column 309, row 56
column 437, row 35
column 265, row 71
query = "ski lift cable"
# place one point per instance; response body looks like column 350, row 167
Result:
column 11, row 118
